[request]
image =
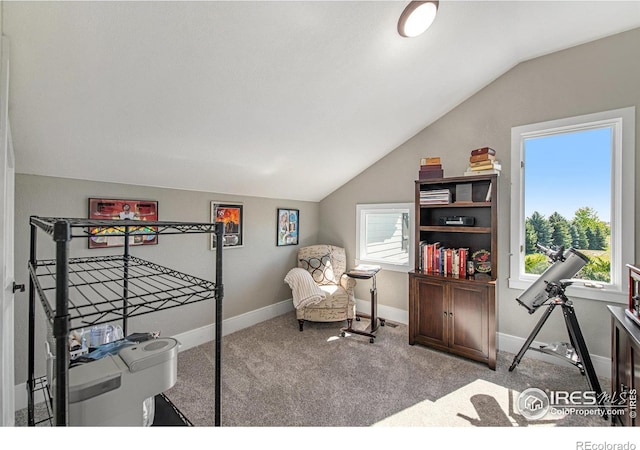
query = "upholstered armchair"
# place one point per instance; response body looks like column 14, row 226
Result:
column 329, row 296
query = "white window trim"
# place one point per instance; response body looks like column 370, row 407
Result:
column 385, row 207
column 622, row 245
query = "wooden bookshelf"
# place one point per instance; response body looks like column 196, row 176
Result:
column 455, row 312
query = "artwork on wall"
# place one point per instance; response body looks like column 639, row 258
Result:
column 231, row 215
column 288, row 226
column 122, row 209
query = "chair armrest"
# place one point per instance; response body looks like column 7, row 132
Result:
column 347, row 282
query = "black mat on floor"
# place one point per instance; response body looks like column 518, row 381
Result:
column 167, row 415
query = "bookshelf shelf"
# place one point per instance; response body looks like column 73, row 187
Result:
column 450, row 310
column 454, row 229
column 460, row 205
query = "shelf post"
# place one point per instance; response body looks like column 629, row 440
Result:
column 219, row 295
column 125, row 282
column 62, row 236
column 32, row 320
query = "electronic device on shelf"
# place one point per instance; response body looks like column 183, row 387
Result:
column 464, row 221
column 111, row 391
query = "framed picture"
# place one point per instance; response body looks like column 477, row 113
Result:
column 122, row 209
column 231, row 215
column 288, row 224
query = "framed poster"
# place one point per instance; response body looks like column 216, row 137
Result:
column 288, row 224
column 125, row 210
column 231, row 215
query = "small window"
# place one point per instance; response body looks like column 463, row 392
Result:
column 384, row 235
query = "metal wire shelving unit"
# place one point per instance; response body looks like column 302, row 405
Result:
column 86, row 291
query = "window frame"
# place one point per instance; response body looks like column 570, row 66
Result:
column 362, row 209
column 622, row 123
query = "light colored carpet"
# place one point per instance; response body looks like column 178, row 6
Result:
column 276, row 376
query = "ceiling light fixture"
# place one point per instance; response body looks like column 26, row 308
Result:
column 416, row 18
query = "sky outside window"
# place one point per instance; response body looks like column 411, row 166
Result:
column 568, row 171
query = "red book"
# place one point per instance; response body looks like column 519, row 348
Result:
column 483, row 150
column 463, row 261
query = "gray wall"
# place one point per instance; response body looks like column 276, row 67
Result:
column 253, row 275
column 593, row 77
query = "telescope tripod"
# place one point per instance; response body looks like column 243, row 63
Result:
column 577, row 354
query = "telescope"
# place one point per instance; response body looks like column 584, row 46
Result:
column 550, row 286
column 566, row 264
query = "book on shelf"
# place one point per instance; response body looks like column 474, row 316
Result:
column 430, row 174
column 486, row 162
column 429, row 167
column 473, row 173
column 493, row 165
column 435, row 197
column 430, row 161
column 487, row 198
column 482, row 151
column 482, row 158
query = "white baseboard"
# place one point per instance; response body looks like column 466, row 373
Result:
column 386, row 312
column 205, row 334
column 513, row 344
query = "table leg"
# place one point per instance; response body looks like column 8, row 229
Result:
column 375, row 320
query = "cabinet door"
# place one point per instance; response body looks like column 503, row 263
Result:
column 430, row 313
column 625, row 372
column 619, row 366
column 469, row 320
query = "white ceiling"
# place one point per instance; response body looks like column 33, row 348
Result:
column 273, row 99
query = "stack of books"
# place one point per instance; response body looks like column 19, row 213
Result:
column 430, row 168
column 435, row 197
column 445, row 261
column 482, row 162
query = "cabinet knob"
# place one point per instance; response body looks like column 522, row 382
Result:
column 445, row 314
column 450, row 314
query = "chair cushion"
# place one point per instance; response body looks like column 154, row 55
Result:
column 336, row 306
column 320, row 269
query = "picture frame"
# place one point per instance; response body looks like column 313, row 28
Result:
column 232, row 215
column 125, row 210
column 287, row 227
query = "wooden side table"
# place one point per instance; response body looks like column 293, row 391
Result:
column 365, row 273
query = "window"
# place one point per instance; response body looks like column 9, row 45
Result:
column 384, row 235
column 571, row 180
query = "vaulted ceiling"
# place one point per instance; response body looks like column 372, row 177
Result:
column 285, row 99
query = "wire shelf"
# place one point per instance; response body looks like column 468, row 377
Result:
column 44, row 416
column 95, row 290
column 86, row 228
column 110, row 288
